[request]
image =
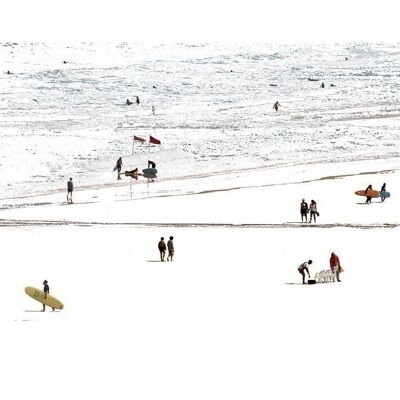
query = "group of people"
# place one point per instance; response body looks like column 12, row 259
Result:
column 162, row 248
column 305, row 209
column 334, row 264
column 369, row 198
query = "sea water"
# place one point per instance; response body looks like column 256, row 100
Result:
column 212, row 108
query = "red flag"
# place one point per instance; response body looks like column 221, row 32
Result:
column 139, row 139
column 154, row 140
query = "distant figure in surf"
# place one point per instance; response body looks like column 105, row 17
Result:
column 137, row 100
column 128, row 102
column 64, row 62
column 323, row 85
column 303, row 210
column 153, row 109
column 383, row 189
column 162, row 248
column 332, row 85
column 119, row 166
column 304, row 267
column 313, row 211
column 369, row 198
column 70, row 188
column 276, row 106
column 8, row 73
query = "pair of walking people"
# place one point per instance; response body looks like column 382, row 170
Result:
column 162, row 248
column 305, row 209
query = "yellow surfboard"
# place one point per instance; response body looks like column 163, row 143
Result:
column 39, row 296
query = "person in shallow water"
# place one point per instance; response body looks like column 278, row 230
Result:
column 128, row 102
column 276, row 106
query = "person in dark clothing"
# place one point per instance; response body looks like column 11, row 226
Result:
column 151, row 164
column 128, row 102
column 276, row 106
column 137, row 100
column 383, row 189
column 119, row 166
column 70, row 188
column 46, row 290
column 322, row 85
column 303, row 210
column 162, row 248
column 369, row 198
column 313, row 211
column 170, row 246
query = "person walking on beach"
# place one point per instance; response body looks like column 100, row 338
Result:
column 336, row 268
column 304, row 268
column 303, row 210
column 276, row 106
column 383, row 189
column 170, row 246
column 313, row 211
column 70, row 188
column 369, row 198
column 46, row 290
column 162, row 248
column 119, row 166
column 137, row 100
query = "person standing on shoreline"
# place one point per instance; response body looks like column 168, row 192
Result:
column 303, row 210
column 383, row 189
column 313, row 211
column 70, row 188
column 162, row 248
column 171, row 250
column 119, row 167
column 46, row 290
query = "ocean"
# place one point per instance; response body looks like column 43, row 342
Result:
column 213, row 108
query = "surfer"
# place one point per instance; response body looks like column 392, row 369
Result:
column 162, row 248
column 323, row 85
column 336, row 268
column 276, row 106
column 383, row 189
column 153, row 109
column 151, row 164
column 128, row 102
column 137, row 100
column 170, row 246
column 369, row 198
column 313, row 210
column 46, row 290
column 303, row 210
column 304, row 267
column 70, row 188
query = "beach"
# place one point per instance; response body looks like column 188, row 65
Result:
column 229, row 317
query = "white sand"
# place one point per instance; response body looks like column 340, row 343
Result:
column 227, row 319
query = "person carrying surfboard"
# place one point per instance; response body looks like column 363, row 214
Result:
column 46, row 290
column 369, row 198
column 383, row 189
column 303, row 210
column 119, row 166
column 304, row 267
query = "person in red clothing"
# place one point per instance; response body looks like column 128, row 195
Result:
column 336, row 268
